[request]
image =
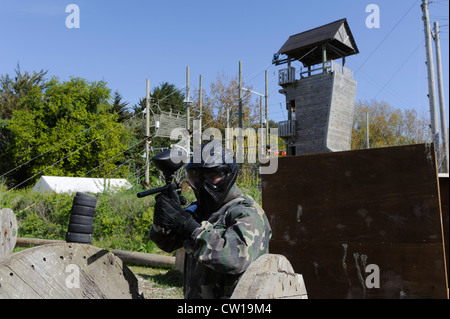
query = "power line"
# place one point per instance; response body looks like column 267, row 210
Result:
column 387, row 35
column 100, row 165
column 400, row 67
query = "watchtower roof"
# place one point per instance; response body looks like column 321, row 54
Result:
column 307, row 46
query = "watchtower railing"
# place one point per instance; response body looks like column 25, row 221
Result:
column 286, row 128
column 286, row 75
column 330, row 66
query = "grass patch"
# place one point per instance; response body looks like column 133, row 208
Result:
column 159, row 283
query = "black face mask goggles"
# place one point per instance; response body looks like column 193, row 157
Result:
column 198, row 176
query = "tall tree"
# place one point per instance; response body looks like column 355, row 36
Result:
column 166, row 97
column 388, row 126
column 66, row 130
column 13, row 88
column 119, row 107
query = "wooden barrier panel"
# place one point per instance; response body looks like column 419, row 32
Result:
column 66, row 271
column 444, row 194
column 8, row 231
column 353, row 221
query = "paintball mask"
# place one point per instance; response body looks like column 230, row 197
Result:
column 211, row 172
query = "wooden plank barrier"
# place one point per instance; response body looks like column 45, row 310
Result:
column 361, row 224
column 66, row 271
column 444, row 194
column 8, row 231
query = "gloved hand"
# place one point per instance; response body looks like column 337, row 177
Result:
column 170, row 215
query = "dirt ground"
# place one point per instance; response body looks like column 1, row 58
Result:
column 159, row 283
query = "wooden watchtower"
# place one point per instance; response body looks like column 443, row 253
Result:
column 321, row 102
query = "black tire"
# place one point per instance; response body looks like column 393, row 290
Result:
column 80, row 219
column 82, row 194
column 85, row 200
column 78, row 238
column 80, row 228
column 83, row 210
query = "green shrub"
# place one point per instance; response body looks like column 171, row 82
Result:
column 121, row 220
column 39, row 215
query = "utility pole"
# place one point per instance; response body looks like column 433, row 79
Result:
column 431, row 84
column 187, row 101
column 147, row 133
column 240, row 95
column 367, row 130
column 261, row 121
column 200, row 102
column 267, row 109
column 228, row 141
column 444, row 134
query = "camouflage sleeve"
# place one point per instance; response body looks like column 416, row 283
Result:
column 166, row 240
column 232, row 243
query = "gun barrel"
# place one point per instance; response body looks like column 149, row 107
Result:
column 152, row 191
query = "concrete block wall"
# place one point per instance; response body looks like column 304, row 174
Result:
column 324, row 106
column 342, row 108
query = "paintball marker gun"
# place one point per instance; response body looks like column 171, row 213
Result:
column 168, row 162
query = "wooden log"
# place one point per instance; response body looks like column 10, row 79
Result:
column 8, row 231
column 144, row 259
column 25, row 242
column 271, row 276
column 66, row 271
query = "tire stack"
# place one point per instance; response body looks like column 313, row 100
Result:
column 81, row 224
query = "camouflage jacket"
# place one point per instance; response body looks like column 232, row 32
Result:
column 222, row 248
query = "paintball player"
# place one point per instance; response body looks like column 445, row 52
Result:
column 223, row 232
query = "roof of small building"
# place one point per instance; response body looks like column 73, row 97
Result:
column 307, row 46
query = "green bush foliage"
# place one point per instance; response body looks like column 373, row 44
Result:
column 121, row 221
